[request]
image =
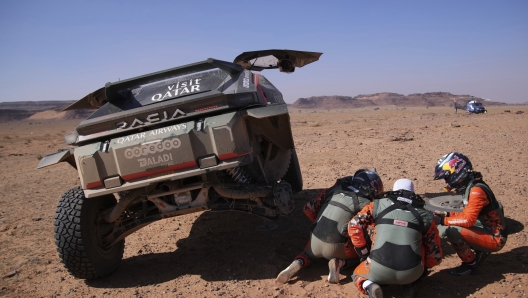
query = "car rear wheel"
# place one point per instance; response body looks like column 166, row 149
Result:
column 270, row 162
column 293, row 175
column 80, row 232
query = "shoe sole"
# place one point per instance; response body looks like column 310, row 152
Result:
column 467, row 272
column 333, row 276
column 375, row 292
column 287, row 273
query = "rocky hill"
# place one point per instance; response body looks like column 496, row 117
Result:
column 19, row 110
column 429, row 99
column 11, row 111
column 35, row 105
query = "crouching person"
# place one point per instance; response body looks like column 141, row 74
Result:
column 330, row 212
column 480, row 228
column 405, row 241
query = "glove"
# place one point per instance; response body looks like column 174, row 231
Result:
column 439, row 217
column 362, row 252
column 438, row 220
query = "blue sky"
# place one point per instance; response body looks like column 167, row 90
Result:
column 63, row 50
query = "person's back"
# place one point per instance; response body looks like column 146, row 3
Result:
column 406, row 240
column 400, row 222
column 332, row 221
column 330, row 213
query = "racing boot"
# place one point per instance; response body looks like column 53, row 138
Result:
column 480, row 256
column 409, row 290
column 334, row 265
column 287, row 273
column 464, row 269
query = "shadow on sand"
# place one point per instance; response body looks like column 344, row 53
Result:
column 221, row 246
column 225, row 246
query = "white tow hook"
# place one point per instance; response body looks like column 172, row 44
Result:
column 182, row 200
column 163, row 206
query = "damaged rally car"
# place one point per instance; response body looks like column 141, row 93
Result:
column 211, row 135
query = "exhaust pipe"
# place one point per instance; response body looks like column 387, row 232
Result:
column 242, row 191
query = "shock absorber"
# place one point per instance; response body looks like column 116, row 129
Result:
column 239, row 175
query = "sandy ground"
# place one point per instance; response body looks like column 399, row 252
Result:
column 212, row 254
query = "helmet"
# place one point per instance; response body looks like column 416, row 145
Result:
column 368, row 183
column 455, row 169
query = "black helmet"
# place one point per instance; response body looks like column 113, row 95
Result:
column 368, row 183
column 455, row 168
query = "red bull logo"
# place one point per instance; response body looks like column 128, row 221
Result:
column 451, row 165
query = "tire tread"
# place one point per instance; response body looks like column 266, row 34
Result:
column 68, row 236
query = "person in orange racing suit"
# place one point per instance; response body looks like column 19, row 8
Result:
column 480, row 228
column 405, row 241
column 330, row 213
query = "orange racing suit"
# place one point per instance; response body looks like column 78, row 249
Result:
column 480, row 225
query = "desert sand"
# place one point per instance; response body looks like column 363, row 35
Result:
column 222, row 254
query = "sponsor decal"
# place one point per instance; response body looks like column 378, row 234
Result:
column 160, row 160
column 179, row 88
column 245, row 80
column 462, row 165
column 401, row 223
column 455, row 165
column 406, row 200
column 135, row 137
column 205, row 109
column 151, row 119
column 159, row 131
column 353, row 188
column 155, row 132
column 456, row 221
column 152, row 148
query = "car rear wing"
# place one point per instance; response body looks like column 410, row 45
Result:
column 109, row 93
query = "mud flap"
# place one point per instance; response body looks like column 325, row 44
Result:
column 55, row 158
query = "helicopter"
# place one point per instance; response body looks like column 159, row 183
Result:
column 472, row 106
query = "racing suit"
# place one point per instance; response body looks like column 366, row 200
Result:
column 480, row 226
column 405, row 240
column 330, row 213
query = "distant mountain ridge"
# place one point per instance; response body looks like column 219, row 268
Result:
column 430, row 99
column 20, row 110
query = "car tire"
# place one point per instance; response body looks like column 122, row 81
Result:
column 270, row 163
column 79, row 234
column 293, row 174
column 447, row 203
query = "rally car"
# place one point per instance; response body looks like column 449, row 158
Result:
column 212, row 135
